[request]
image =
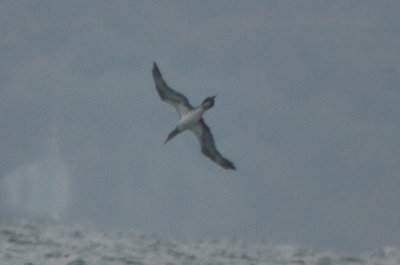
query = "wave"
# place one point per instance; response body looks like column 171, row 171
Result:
column 52, row 243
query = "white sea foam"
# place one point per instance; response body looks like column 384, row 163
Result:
column 57, row 244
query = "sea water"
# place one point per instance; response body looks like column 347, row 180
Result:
column 52, row 243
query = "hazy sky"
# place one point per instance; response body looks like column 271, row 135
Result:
column 308, row 110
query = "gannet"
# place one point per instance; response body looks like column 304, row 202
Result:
column 190, row 118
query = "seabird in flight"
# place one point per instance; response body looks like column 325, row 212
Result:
column 190, row 118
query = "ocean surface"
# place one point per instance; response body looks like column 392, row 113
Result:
column 52, row 243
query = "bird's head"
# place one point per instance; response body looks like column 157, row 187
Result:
column 208, row 103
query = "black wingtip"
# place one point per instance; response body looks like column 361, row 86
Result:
column 227, row 164
column 231, row 166
column 156, row 71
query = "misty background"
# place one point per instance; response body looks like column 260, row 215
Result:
column 308, row 110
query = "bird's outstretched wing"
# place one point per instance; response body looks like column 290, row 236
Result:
column 208, row 148
column 167, row 94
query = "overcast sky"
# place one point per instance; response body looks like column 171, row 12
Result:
column 308, row 110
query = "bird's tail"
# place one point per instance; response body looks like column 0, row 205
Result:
column 172, row 134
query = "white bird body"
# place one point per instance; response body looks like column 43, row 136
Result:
column 191, row 118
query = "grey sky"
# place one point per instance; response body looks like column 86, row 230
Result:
column 308, row 110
